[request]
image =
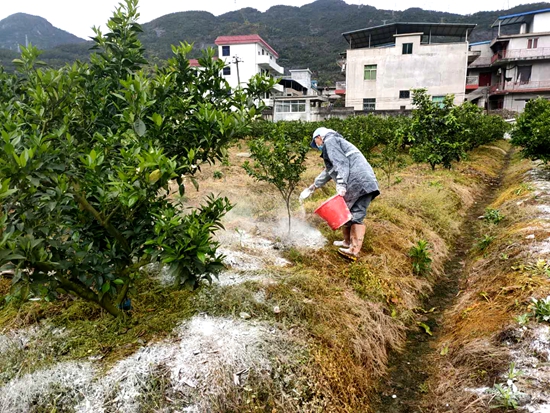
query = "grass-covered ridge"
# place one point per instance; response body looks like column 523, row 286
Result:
column 491, row 332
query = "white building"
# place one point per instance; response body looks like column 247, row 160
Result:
column 512, row 68
column 384, row 63
column 246, row 56
column 300, row 99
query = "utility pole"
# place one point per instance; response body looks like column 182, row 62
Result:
column 237, row 60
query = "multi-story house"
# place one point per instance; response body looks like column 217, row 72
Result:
column 384, row 63
column 512, row 68
column 300, row 99
column 246, row 56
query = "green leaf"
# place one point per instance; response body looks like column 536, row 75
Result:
column 132, row 201
column 155, row 176
column 426, row 328
column 118, row 281
column 105, row 287
column 140, row 128
column 201, row 256
column 194, row 182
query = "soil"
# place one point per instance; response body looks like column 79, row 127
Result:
column 408, row 371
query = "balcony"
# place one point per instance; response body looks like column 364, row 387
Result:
column 521, row 54
column 340, row 88
column 279, row 88
column 268, row 63
column 518, row 87
column 472, row 82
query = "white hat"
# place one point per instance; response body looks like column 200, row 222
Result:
column 318, row 132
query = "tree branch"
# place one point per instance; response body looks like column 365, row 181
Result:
column 104, row 223
column 89, row 295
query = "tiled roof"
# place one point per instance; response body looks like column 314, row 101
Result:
column 244, row 39
column 195, row 62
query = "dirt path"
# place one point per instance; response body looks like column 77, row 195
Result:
column 408, row 372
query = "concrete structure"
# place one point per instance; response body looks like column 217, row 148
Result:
column 246, row 56
column 300, row 99
column 512, row 68
column 384, row 63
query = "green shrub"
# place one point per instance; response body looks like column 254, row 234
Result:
column 433, row 133
column 279, row 162
column 532, row 131
column 89, row 152
column 420, row 257
column 541, row 308
column 493, row 216
column 504, row 396
column 483, row 243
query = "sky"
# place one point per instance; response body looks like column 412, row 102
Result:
column 78, row 16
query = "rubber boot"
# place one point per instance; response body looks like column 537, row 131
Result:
column 356, row 237
column 346, row 242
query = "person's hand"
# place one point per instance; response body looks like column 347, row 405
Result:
column 341, row 190
column 306, row 193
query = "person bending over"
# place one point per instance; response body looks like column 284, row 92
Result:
column 355, row 182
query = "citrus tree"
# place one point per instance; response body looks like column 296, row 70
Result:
column 532, row 131
column 90, row 155
column 279, row 160
column 433, row 131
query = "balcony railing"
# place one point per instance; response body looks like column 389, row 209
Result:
column 267, row 62
column 340, row 88
column 538, row 53
column 472, row 81
column 520, row 86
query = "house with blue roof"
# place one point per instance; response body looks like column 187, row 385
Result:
column 512, row 69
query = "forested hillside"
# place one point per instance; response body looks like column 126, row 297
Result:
column 21, row 28
column 307, row 36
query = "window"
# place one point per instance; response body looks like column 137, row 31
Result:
column 440, row 100
column 407, row 48
column 532, row 43
column 524, row 75
column 290, row 106
column 225, row 51
column 404, row 94
column 370, row 72
column 263, row 52
column 402, row 108
column 369, row 104
column 226, row 71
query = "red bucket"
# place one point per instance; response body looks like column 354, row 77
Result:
column 335, row 211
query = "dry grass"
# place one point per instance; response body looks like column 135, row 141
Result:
column 494, row 291
column 350, row 316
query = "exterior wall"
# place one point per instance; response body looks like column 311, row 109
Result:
column 485, row 50
column 440, row 68
column 247, row 68
column 521, row 42
column 517, row 102
column 303, row 77
column 252, row 55
column 541, row 23
column 303, row 116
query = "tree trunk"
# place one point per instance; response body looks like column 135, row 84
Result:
column 288, row 211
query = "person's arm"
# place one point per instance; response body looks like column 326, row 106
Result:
column 322, row 179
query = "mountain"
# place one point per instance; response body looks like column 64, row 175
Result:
column 307, row 36
column 21, row 28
